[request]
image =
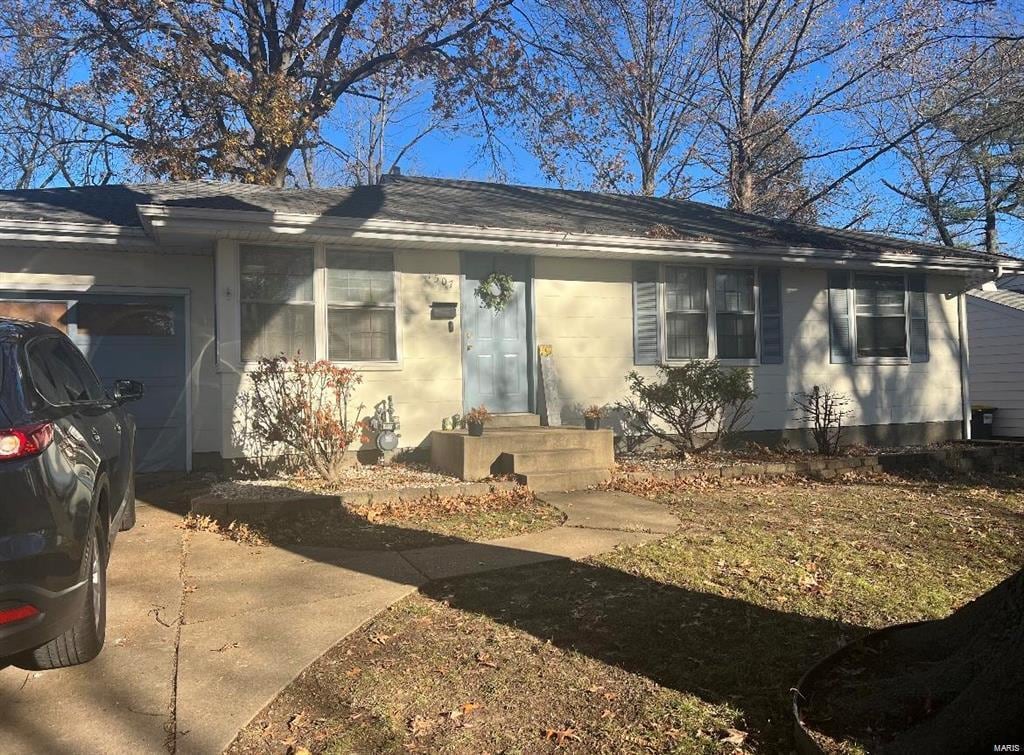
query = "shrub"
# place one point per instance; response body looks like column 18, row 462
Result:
column 694, row 407
column 304, row 406
column 824, row 411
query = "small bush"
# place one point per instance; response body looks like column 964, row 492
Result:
column 824, row 410
column 694, row 407
column 304, row 406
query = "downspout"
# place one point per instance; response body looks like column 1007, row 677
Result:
column 965, row 391
column 965, row 358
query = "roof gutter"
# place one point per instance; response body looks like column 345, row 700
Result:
column 33, row 232
column 162, row 221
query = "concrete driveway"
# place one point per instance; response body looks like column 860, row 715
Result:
column 202, row 632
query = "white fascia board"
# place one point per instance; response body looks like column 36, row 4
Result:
column 33, row 232
column 164, row 221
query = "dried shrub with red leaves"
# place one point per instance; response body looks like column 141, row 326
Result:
column 304, row 407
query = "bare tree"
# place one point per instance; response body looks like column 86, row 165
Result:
column 620, row 90
column 963, row 172
column 796, row 71
column 238, row 88
column 375, row 135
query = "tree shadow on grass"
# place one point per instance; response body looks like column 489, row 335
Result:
column 719, row 649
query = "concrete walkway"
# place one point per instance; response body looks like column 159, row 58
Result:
column 203, row 633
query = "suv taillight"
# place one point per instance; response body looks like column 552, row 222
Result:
column 29, row 440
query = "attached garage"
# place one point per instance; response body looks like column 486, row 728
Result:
column 125, row 335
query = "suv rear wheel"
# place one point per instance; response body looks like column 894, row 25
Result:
column 84, row 639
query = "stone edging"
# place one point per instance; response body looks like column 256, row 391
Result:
column 217, row 506
column 818, row 468
column 966, row 457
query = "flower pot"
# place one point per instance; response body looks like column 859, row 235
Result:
column 592, row 423
column 476, row 429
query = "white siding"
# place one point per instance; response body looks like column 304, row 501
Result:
column 996, row 338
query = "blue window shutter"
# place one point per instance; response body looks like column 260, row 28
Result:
column 646, row 328
column 917, row 286
column 840, row 342
column 770, row 310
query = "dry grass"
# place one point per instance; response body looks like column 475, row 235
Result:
column 687, row 645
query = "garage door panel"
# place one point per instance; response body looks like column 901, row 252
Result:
column 127, row 336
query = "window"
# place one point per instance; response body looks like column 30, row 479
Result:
column 735, row 324
column 881, row 312
column 105, row 319
column 360, row 306
column 686, row 312
column 60, row 373
column 277, row 302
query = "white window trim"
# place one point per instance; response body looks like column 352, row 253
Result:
column 229, row 347
column 851, row 303
column 712, row 315
column 322, row 306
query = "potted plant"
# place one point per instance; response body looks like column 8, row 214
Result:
column 592, row 416
column 475, row 419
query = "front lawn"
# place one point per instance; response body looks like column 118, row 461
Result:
column 689, row 644
column 397, row 525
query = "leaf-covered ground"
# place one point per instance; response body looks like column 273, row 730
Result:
column 397, row 525
column 688, row 645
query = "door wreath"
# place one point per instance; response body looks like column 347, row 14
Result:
column 496, row 291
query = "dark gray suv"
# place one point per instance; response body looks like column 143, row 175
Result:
column 67, row 486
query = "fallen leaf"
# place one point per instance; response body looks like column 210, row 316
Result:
column 734, row 736
column 419, row 726
column 379, row 639
column 559, row 736
column 353, row 672
column 485, row 660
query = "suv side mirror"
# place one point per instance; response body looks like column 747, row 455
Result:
column 128, row 390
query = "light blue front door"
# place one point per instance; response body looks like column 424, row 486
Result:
column 495, row 345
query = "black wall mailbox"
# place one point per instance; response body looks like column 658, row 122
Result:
column 443, row 310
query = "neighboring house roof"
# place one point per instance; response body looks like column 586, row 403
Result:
column 464, row 203
column 1007, row 298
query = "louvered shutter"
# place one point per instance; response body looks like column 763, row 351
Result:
column 840, row 342
column 917, row 288
column 770, row 310
column 646, row 328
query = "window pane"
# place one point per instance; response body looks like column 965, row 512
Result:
column 881, row 336
column 361, row 335
column 880, row 302
column 687, row 336
column 685, row 289
column 358, row 278
column 61, row 374
column 734, row 291
column 102, row 319
column 736, row 336
column 269, row 330
column 880, row 295
column 276, row 275
column 53, row 313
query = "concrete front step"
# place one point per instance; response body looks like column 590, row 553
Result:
column 552, row 460
column 476, row 458
column 513, row 419
column 568, row 479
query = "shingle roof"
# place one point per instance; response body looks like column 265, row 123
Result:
column 469, row 203
column 1007, row 298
